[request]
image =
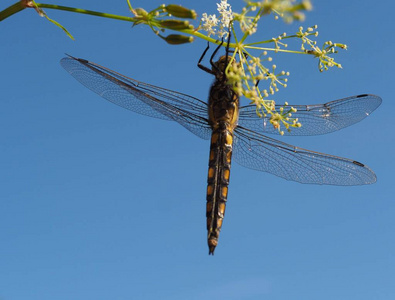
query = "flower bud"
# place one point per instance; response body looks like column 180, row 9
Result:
column 307, row 5
column 177, row 39
column 180, row 12
column 298, row 16
column 140, row 12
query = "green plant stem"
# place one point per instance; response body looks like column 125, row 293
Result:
column 13, row 9
column 87, row 12
column 205, row 37
column 271, row 41
column 274, row 50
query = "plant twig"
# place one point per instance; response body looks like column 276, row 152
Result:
column 85, row 11
column 13, row 9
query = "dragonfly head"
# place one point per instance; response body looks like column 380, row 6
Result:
column 220, row 66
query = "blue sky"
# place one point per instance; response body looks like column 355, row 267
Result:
column 97, row 202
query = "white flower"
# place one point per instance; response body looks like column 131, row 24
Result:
column 223, row 6
column 211, row 21
column 225, row 11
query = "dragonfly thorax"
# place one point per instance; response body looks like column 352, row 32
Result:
column 223, row 104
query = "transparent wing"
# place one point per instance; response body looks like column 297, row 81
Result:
column 141, row 97
column 316, row 119
column 255, row 151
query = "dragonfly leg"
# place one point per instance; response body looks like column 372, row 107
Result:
column 212, row 57
column 227, row 51
column 204, row 68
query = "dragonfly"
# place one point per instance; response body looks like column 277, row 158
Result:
column 237, row 132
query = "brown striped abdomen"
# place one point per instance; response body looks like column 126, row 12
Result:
column 217, row 182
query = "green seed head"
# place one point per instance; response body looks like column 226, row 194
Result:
column 180, row 12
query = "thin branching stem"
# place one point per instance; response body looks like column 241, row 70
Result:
column 85, row 11
column 274, row 50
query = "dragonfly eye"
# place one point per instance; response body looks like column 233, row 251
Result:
column 220, row 66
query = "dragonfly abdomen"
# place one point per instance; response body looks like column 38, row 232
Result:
column 217, row 182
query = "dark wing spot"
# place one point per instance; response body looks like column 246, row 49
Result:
column 358, row 163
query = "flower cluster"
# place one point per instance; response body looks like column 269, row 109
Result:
column 322, row 54
column 210, row 22
column 284, row 117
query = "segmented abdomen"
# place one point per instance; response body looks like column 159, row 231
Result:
column 218, row 181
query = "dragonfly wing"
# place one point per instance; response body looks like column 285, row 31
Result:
column 315, row 119
column 255, row 151
column 141, row 97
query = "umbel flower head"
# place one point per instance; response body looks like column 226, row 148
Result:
column 254, row 75
column 252, row 70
